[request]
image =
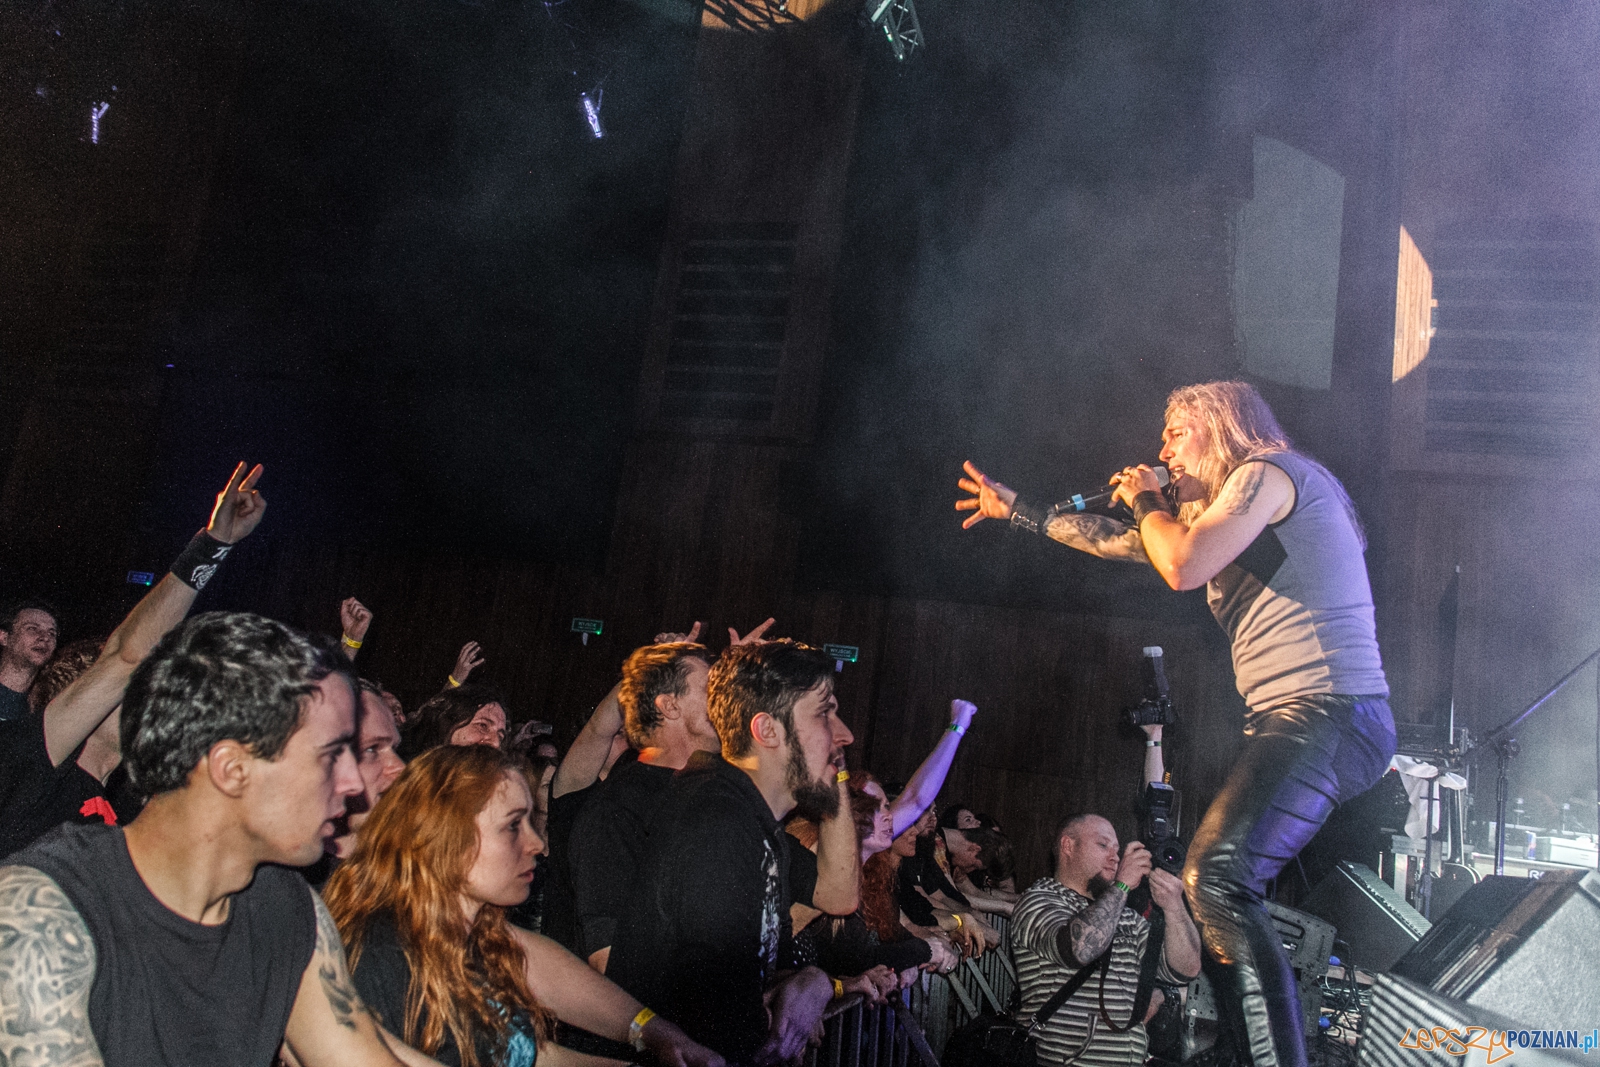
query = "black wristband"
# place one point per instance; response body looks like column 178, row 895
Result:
column 1025, row 518
column 199, row 561
column 1146, row 502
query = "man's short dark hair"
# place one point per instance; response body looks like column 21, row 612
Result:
column 10, row 609
column 442, row 715
column 650, row 672
column 1071, row 823
column 768, row 676
column 219, row 676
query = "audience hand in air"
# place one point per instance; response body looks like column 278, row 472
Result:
column 239, row 507
column 875, row 985
column 355, row 618
column 674, row 1048
column 751, row 638
column 1166, row 890
column 961, row 713
column 794, row 1013
column 989, row 500
column 672, row 638
column 467, row 660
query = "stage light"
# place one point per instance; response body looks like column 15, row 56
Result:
column 591, row 111
column 898, row 20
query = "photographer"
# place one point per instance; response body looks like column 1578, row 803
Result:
column 1067, row 922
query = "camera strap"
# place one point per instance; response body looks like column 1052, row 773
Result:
column 1147, row 975
column 1072, row 985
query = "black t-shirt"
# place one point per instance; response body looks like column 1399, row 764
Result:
column 848, row 946
column 708, row 929
column 607, row 846
column 560, row 919
column 36, row 797
column 13, row 705
column 171, row 992
column 922, row 872
column 383, row 977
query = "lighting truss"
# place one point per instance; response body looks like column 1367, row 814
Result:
column 898, row 20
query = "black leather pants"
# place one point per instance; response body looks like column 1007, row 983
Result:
column 1302, row 757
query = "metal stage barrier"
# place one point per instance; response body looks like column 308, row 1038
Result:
column 913, row 1033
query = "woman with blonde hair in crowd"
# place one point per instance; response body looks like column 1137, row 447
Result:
column 421, row 904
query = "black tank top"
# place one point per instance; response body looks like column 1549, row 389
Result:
column 168, row 991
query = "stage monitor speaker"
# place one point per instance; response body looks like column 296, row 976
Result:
column 1406, row 1024
column 1375, row 923
column 1527, row 949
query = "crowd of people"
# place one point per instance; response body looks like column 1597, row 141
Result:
column 221, row 844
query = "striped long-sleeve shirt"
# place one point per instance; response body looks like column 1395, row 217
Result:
column 1076, row 1034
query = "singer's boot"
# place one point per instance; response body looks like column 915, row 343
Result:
column 1301, row 758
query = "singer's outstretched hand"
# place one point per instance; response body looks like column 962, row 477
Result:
column 989, row 500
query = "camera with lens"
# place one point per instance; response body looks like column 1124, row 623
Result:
column 1161, row 810
column 1156, row 707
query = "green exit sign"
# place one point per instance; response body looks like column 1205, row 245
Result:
column 587, row 626
column 847, row 653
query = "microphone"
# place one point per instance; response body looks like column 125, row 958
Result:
column 1079, row 502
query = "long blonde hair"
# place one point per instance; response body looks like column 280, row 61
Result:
column 410, row 862
column 1239, row 424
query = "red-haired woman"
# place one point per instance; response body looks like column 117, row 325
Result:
column 420, row 905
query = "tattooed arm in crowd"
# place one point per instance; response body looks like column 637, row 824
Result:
column 329, row 1024
column 1088, row 935
column 47, row 965
column 47, row 970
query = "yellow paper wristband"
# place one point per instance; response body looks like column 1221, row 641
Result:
column 838, row 988
column 452, row 680
column 349, row 642
column 841, row 778
column 959, row 923
column 636, row 1028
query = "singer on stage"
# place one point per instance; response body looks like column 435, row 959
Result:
column 1273, row 537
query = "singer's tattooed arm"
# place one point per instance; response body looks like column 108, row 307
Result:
column 1098, row 536
column 1242, row 488
column 1087, row 936
column 47, row 964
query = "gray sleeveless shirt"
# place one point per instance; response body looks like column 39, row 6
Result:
column 1296, row 604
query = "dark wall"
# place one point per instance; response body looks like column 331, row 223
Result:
column 423, row 281
column 372, row 246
